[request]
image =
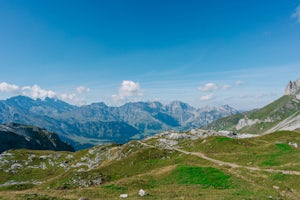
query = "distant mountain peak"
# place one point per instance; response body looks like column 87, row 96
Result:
column 20, row 98
column 226, row 107
column 51, row 99
column 99, row 105
column 177, row 102
column 179, row 105
column 155, row 104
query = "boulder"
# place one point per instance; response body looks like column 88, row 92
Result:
column 142, row 193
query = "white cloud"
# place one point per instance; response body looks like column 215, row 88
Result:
column 207, row 97
column 226, row 87
column 296, row 14
column 82, row 89
column 73, row 99
column 239, row 82
column 6, row 87
column 68, row 96
column 208, row 87
column 115, row 97
column 36, row 91
column 128, row 89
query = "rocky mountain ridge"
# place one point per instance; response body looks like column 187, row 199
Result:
column 17, row 136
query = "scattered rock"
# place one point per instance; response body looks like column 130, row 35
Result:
column 43, row 166
column 275, row 187
column 81, row 170
column 176, row 136
column 293, row 144
column 13, row 182
column 97, row 181
column 123, row 195
column 69, row 157
column 82, row 180
column 16, row 166
column 167, row 143
column 35, row 182
column 44, row 157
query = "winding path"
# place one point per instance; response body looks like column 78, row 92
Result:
column 219, row 162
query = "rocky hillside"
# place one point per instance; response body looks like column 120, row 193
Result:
column 169, row 165
column 17, row 136
column 282, row 114
column 88, row 125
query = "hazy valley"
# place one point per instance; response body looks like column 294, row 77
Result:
column 88, row 125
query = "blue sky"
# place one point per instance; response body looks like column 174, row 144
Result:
column 240, row 53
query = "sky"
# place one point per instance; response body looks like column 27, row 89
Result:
column 205, row 53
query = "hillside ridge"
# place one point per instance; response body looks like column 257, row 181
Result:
column 18, row 136
column 281, row 114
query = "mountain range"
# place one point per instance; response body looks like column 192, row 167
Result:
column 282, row 114
column 85, row 126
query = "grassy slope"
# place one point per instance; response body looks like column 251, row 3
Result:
column 277, row 111
column 271, row 150
column 168, row 174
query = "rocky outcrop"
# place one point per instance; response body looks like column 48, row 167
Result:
column 249, row 122
column 292, row 88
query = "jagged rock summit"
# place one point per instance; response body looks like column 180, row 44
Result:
column 293, row 88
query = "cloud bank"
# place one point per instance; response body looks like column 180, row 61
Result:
column 209, row 89
column 6, row 87
column 36, row 92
